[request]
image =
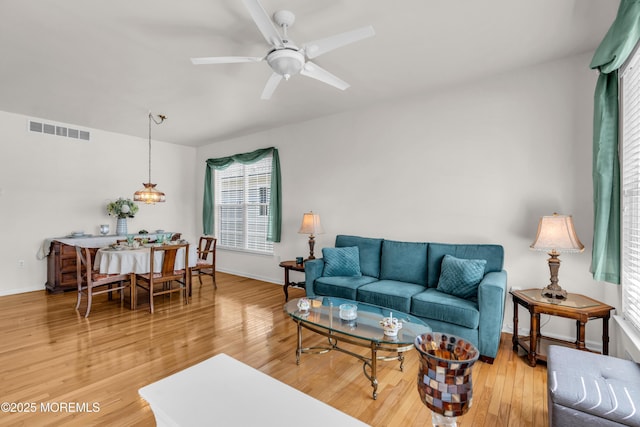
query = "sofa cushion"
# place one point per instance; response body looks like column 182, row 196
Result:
column 369, row 252
column 404, row 262
column 390, row 294
column 461, row 277
column 341, row 261
column 494, row 254
column 433, row 304
column 341, row 287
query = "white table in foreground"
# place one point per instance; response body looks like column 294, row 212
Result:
column 222, row 391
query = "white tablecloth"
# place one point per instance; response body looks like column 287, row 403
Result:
column 86, row 241
column 125, row 261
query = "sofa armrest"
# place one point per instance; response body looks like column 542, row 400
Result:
column 492, row 293
column 313, row 269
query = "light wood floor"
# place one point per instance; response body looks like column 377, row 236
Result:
column 50, row 355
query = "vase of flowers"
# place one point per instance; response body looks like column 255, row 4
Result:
column 123, row 209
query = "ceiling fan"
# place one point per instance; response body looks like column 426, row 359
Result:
column 285, row 58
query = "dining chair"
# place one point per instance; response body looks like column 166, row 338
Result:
column 166, row 279
column 91, row 282
column 206, row 263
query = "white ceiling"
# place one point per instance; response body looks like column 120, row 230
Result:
column 106, row 64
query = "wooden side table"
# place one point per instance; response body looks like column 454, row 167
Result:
column 291, row 265
column 575, row 306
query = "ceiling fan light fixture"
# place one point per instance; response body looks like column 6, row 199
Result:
column 286, row 59
column 286, row 62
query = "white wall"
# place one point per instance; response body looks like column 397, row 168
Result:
column 51, row 186
column 478, row 163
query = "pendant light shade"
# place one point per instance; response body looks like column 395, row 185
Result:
column 149, row 194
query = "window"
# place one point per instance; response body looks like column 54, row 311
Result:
column 242, row 197
column 630, row 182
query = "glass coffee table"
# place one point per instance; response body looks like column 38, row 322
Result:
column 326, row 317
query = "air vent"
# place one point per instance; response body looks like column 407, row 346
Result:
column 35, row 126
column 59, row 130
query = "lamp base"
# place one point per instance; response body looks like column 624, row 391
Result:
column 555, row 292
column 312, row 243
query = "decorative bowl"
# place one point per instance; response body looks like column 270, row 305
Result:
column 348, row 311
column 391, row 325
column 304, row 304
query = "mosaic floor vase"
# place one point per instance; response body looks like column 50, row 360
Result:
column 444, row 377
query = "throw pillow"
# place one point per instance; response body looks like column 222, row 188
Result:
column 341, row 261
column 461, row 277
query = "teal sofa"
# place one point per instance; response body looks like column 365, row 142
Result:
column 459, row 289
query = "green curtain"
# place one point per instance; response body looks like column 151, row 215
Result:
column 614, row 50
column 275, row 203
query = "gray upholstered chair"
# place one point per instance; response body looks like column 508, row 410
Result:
column 589, row 389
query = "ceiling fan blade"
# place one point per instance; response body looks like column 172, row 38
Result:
column 271, row 86
column 264, row 23
column 318, row 47
column 312, row 70
column 225, row 60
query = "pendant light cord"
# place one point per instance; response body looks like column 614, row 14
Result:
column 162, row 119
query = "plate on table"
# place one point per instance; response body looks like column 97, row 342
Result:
column 74, row 235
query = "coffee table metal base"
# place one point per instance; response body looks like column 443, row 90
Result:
column 367, row 362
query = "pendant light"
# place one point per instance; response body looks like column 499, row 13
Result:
column 149, row 194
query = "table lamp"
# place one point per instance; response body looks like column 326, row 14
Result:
column 556, row 234
column 311, row 225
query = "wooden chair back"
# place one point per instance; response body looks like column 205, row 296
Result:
column 170, row 254
column 206, row 247
column 92, row 283
column 206, row 262
column 167, row 274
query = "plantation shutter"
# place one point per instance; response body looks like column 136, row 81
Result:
column 630, row 159
column 243, row 196
column 258, row 182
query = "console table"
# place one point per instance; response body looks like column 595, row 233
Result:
column 575, row 306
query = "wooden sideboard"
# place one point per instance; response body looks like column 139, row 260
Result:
column 61, row 267
column 61, row 259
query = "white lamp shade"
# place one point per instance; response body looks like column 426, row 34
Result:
column 311, row 224
column 556, row 233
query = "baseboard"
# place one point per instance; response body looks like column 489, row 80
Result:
column 628, row 340
column 6, row 292
column 251, row 276
column 591, row 345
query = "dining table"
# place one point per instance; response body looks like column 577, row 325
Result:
column 124, row 259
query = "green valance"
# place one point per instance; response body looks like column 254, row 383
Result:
column 612, row 53
column 275, row 203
